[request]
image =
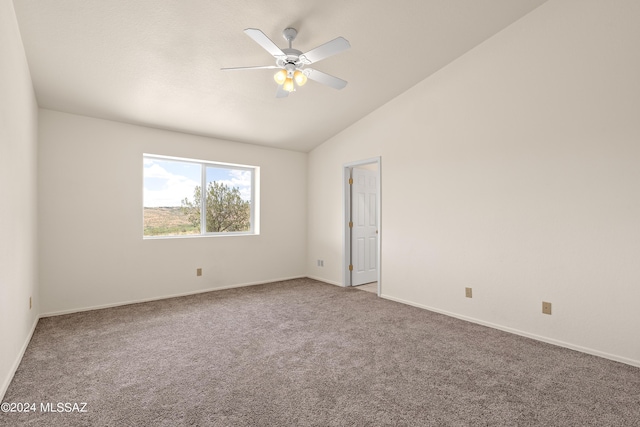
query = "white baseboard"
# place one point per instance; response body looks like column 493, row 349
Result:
column 183, row 294
column 330, row 282
column 564, row 344
column 14, row 367
column 7, row 381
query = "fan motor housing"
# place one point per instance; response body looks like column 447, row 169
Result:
column 293, row 58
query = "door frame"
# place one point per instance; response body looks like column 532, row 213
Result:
column 346, row 211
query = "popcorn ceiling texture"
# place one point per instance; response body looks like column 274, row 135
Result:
column 302, row 352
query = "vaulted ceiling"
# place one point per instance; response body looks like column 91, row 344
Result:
column 157, row 62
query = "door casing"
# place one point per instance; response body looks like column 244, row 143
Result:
column 346, row 209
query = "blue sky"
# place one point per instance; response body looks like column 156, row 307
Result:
column 167, row 183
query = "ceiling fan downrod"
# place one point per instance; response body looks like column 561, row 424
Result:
column 289, row 35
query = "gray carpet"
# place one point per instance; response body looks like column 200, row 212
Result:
column 301, row 352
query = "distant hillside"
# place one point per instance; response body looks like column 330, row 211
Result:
column 167, row 221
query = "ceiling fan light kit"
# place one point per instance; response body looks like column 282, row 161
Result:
column 300, row 78
column 291, row 62
column 280, row 76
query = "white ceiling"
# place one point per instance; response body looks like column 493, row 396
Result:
column 157, row 62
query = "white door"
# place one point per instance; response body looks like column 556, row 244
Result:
column 364, row 230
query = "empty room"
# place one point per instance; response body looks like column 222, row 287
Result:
column 327, row 213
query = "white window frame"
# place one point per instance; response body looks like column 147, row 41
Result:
column 254, row 220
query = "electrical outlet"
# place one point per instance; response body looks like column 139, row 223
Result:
column 320, row 263
column 199, row 272
column 468, row 293
column 29, row 303
column 546, row 307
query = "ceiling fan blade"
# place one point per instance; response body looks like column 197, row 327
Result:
column 266, row 43
column 249, row 68
column 326, row 50
column 325, row 78
column 281, row 93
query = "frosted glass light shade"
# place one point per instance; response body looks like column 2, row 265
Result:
column 288, row 85
column 300, row 78
column 280, row 76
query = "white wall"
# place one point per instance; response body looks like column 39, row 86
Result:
column 515, row 170
column 90, row 202
column 18, row 263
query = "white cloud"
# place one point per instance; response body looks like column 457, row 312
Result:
column 163, row 187
column 240, row 179
column 169, row 189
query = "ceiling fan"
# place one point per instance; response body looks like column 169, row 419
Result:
column 292, row 62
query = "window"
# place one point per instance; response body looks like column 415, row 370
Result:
column 174, row 203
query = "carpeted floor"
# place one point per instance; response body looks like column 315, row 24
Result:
column 300, row 353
